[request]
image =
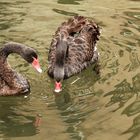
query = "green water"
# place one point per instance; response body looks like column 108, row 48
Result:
column 90, row 107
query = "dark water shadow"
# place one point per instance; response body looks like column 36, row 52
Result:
column 121, row 94
column 135, row 0
column 70, row 113
column 134, row 108
column 62, row 99
column 64, row 12
column 13, row 123
column 75, row 2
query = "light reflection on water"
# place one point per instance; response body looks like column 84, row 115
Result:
column 90, row 106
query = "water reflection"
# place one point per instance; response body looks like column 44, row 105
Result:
column 13, row 122
column 62, row 99
column 75, row 106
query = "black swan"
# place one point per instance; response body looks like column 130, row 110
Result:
column 72, row 49
column 11, row 82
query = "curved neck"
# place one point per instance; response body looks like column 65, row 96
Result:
column 9, row 48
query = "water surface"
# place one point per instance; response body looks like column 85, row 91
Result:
column 91, row 108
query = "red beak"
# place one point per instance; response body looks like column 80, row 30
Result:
column 58, row 86
column 36, row 65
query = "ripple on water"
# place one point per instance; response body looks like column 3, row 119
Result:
column 74, row 110
column 63, row 12
column 92, row 107
column 11, row 15
column 75, row 2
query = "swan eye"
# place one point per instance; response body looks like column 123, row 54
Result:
column 29, row 55
column 34, row 55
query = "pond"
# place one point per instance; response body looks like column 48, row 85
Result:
column 90, row 107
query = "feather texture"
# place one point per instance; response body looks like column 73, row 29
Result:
column 80, row 35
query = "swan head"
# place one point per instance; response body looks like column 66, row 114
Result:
column 29, row 54
column 31, row 57
column 58, row 77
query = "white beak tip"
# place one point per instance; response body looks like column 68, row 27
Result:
column 39, row 70
column 57, row 90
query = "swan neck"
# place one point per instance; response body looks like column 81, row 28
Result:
column 9, row 48
column 61, row 53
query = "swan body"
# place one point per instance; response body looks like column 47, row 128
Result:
column 73, row 48
column 11, row 82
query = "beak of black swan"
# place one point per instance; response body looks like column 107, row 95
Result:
column 36, row 65
column 58, row 87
